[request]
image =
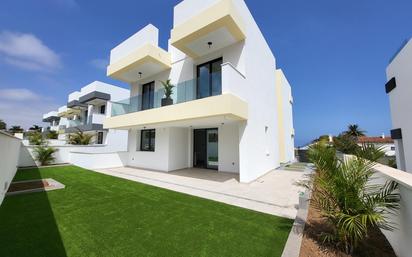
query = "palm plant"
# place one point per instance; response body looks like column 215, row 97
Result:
column 52, row 135
column 343, row 193
column 44, row 154
column 168, row 88
column 355, row 131
column 16, row 129
column 80, row 138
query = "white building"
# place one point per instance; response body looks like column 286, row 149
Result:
column 53, row 119
column 232, row 107
column 386, row 144
column 86, row 111
column 399, row 89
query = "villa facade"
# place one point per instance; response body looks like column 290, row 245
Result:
column 231, row 107
column 86, row 111
column 399, row 90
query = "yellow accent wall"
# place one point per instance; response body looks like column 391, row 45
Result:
column 221, row 105
column 222, row 14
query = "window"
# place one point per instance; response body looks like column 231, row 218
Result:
column 209, row 79
column 103, row 109
column 392, row 148
column 147, row 140
column 148, row 96
column 99, row 138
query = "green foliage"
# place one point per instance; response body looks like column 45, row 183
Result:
column 346, row 143
column 355, row 131
column 3, row 125
column 44, row 154
column 370, row 152
column 16, row 129
column 392, row 163
column 35, row 128
column 52, row 135
column 35, row 138
column 168, row 88
column 80, row 138
column 345, row 196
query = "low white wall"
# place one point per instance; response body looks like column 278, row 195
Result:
column 63, row 154
column 400, row 238
column 9, row 157
column 98, row 160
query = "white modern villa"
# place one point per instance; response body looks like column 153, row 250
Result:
column 86, row 111
column 399, row 90
column 231, row 107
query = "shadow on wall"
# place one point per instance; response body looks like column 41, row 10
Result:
column 27, row 223
column 25, row 158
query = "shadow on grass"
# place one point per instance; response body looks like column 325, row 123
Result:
column 27, row 224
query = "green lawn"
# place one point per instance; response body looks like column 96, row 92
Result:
column 99, row 215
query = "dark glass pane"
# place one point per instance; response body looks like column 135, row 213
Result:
column 147, row 96
column 216, row 77
column 203, row 81
column 147, row 140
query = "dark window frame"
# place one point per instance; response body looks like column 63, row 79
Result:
column 209, row 63
column 148, row 89
column 104, row 109
column 100, row 139
column 151, row 140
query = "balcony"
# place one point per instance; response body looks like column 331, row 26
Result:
column 138, row 57
column 187, row 106
column 216, row 27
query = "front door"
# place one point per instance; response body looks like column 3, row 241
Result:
column 205, row 148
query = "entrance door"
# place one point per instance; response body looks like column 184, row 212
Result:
column 205, row 148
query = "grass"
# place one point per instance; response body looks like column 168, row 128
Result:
column 99, row 215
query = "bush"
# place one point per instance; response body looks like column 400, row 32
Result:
column 345, row 197
column 80, row 138
column 35, row 138
column 44, row 154
column 52, row 135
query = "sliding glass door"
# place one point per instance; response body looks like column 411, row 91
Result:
column 209, row 79
column 205, row 148
column 148, row 96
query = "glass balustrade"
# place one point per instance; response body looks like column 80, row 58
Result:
column 183, row 92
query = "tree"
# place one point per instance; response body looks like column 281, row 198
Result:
column 355, row 131
column 346, row 143
column 35, row 128
column 35, row 138
column 44, row 154
column 3, row 125
column 16, row 129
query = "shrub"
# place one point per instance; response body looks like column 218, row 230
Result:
column 35, row 138
column 44, row 154
column 52, row 135
column 80, row 138
column 343, row 193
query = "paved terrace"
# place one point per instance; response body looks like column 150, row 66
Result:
column 274, row 193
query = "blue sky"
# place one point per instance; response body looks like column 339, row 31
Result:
column 334, row 54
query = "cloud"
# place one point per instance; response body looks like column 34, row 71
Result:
column 24, row 107
column 27, row 52
column 99, row 63
column 18, row 94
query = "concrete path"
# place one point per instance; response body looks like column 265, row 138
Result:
column 274, row 193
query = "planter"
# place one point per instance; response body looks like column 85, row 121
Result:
column 167, row 101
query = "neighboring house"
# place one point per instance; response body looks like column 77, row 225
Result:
column 53, row 119
column 399, row 89
column 86, row 111
column 387, row 144
column 231, row 108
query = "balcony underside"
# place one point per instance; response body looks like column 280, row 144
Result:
column 210, row 110
column 69, row 113
column 141, row 63
column 220, row 24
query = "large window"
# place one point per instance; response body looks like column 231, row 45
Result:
column 209, row 78
column 147, row 140
column 103, row 109
column 148, row 96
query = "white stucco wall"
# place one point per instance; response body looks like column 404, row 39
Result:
column 178, row 148
column 229, row 148
column 98, row 160
column 400, row 102
column 9, row 157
